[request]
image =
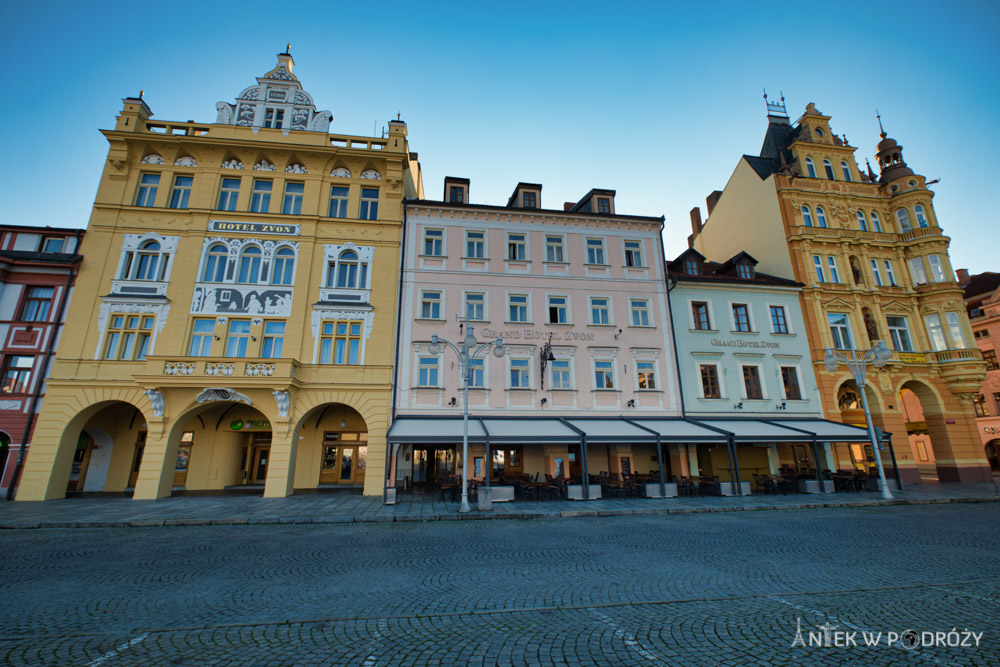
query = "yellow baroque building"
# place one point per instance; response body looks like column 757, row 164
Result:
column 874, row 261
column 233, row 322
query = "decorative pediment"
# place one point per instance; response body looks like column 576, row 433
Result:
column 895, row 307
column 214, row 394
column 152, row 158
column 371, row 175
column 838, row 304
column 341, row 172
column 186, row 161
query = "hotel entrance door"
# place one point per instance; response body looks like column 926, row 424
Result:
column 345, row 458
column 253, row 462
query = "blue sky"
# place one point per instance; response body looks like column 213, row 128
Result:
column 655, row 100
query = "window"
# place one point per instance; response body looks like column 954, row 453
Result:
column 144, row 263
column 559, row 374
column 904, row 220
column 807, row 218
column 996, row 401
column 744, row 271
column 369, row 204
column 595, row 251
column 810, row 168
column 710, row 381
column 936, row 332
column 828, row 168
column 917, row 271
column 840, row 330
column 475, row 244
column 979, row 403
column 284, row 267
column 918, row 211
column 338, row 201
column 558, row 312
column 519, row 374
column 274, row 339
column 862, row 221
column 790, row 382
column 899, row 333
column 640, row 312
column 455, row 194
column 516, row 247
column 834, row 274
column 147, row 190
column 529, row 201
column 876, row 272
column 751, row 383
column 779, row 323
column 477, row 373
column 427, row 373
column 699, row 311
column 215, row 264
column 888, row 272
column 646, row 374
column 229, row 194
column 553, row 249
column 955, row 329
column 238, row 338
column 52, row 244
column 248, row 271
column 937, row 271
column 17, row 374
column 603, row 205
column 600, row 311
column 990, row 357
column 692, row 266
column 347, row 272
column 604, row 374
column 434, row 242
column 517, row 307
column 876, row 223
column 260, row 200
column 37, row 304
column 820, row 216
column 181, row 193
column 201, row 338
column 292, row 204
column 340, row 343
column 128, row 337
column 633, row 253
column 818, row 263
column 847, row 172
column 274, row 118
column 475, row 306
column 430, row 305
column 979, row 333
column 741, row 317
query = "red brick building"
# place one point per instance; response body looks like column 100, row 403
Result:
column 38, row 266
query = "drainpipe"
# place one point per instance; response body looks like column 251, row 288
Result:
column 37, row 396
column 395, row 365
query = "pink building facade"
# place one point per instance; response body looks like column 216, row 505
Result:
column 577, row 295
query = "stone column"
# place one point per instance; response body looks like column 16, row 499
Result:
column 159, row 459
column 375, row 471
column 280, row 480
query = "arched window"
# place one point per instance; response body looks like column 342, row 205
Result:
column 347, row 272
column 904, row 220
column 807, row 216
column 862, row 222
column 215, row 264
column 918, row 210
column 147, row 265
column 829, row 170
column 876, row 225
column 810, row 168
column 249, row 267
column 846, row 170
column 284, row 267
column 820, row 216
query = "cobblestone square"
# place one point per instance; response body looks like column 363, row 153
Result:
column 699, row 589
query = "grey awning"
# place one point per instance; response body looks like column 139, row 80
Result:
column 755, row 430
column 680, row 430
column 611, row 430
column 526, row 430
column 828, row 431
column 445, row 430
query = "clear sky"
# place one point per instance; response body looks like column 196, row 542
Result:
column 655, row 100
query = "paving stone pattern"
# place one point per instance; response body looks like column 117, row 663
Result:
column 684, row 589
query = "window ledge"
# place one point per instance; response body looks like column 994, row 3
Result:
column 429, row 319
column 598, row 266
column 626, row 266
column 641, row 326
column 649, row 391
column 475, row 259
column 603, row 326
column 789, row 334
column 434, row 256
column 562, row 390
column 554, row 262
column 605, row 391
column 559, row 324
column 520, row 389
column 420, row 387
column 745, row 333
column 516, row 323
column 706, row 331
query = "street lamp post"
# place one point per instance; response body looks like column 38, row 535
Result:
column 468, row 349
column 877, row 356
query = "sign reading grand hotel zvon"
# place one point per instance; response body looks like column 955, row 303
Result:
column 253, row 228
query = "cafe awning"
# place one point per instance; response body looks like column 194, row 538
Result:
column 829, row 431
column 445, row 430
column 516, row 430
column 680, row 430
column 756, row 430
column 611, row 430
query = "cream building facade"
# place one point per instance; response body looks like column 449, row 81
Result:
column 235, row 311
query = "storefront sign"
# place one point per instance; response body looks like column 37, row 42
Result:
column 536, row 334
column 254, row 228
column 758, row 344
column 911, row 357
column 250, row 425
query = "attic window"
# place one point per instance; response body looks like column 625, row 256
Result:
column 744, row 271
column 819, row 132
column 691, row 267
column 603, row 205
column 529, row 200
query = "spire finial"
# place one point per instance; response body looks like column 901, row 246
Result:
column 399, row 116
column 288, row 47
column 775, row 108
column 880, row 129
column 141, row 93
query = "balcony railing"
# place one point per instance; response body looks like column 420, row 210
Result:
column 920, row 232
column 857, row 234
column 237, row 368
column 942, row 357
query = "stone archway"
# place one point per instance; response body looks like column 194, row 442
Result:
column 332, row 443
column 926, row 423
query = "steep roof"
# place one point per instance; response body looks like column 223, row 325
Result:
column 982, row 283
column 716, row 272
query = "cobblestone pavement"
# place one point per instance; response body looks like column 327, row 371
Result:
column 709, row 589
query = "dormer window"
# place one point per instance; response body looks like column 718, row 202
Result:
column 744, row 271
column 810, row 168
column 528, row 200
column 692, row 266
column 829, row 170
column 274, row 118
column 846, row 170
column 455, row 194
column 603, row 205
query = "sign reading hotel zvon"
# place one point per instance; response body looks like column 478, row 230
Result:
column 254, row 228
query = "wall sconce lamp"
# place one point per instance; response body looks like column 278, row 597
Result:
column 544, row 401
column 631, row 403
column 783, row 406
column 738, row 406
column 618, row 334
column 453, row 401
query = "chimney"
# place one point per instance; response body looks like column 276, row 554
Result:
column 695, row 221
column 712, row 199
column 690, row 240
column 568, row 206
column 963, row 277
